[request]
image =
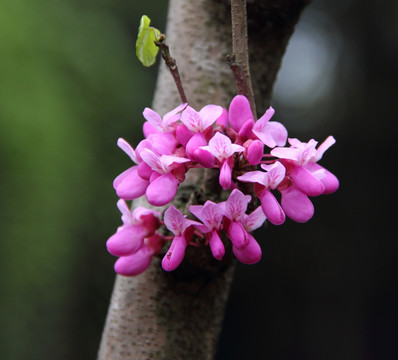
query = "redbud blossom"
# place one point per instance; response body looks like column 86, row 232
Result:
column 242, row 150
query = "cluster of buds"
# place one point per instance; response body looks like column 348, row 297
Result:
column 233, row 142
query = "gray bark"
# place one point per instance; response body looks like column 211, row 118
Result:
column 178, row 315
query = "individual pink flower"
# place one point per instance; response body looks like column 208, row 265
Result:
column 182, row 229
column 197, row 124
column 271, row 133
column 138, row 262
column 135, row 242
column 221, row 147
column 211, row 214
column 268, row 181
column 137, row 225
column 199, row 121
column 234, row 211
column 155, row 123
column 300, row 159
column 304, row 177
column 163, row 188
column 129, row 184
column 251, row 253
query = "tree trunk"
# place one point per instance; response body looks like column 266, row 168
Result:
column 178, row 315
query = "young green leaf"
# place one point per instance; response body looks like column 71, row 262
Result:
column 145, row 47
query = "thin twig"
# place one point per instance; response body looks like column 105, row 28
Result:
column 239, row 61
column 172, row 65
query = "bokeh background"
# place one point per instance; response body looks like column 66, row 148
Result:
column 70, row 85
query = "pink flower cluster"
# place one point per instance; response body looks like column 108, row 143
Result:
column 230, row 141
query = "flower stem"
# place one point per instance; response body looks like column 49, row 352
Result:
column 172, row 65
column 239, row 61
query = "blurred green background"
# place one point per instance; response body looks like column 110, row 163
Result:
column 70, row 85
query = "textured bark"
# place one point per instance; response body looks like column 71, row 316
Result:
column 177, row 315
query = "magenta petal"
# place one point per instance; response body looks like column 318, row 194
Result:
column 237, row 234
column 149, row 129
column 123, row 175
column 239, row 112
column 162, row 190
column 330, row 182
column 175, row 254
column 297, row 205
column 272, row 210
column 129, row 185
column 204, row 158
column 144, row 171
column 183, row 134
column 195, row 142
column 126, row 241
column 250, row 254
column 134, row 264
column 216, row 245
column 246, row 129
column 225, row 177
column 255, row 152
column 306, row 182
column 223, row 119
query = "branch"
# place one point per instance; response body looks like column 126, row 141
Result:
column 239, row 61
column 172, row 65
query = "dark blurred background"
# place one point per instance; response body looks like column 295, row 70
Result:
column 70, row 85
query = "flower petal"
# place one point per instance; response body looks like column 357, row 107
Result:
column 162, row 190
column 134, row 264
column 216, row 245
column 175, row 254
column 306, row 182
column 250, row 254
column 209, row 114
column 236, row 205
column 297, row 205
column 128, row 149
column 129, row 185
column 174, row 221
column 271, row 208
column 239, row 112
column 254, row 220
column 127, row 241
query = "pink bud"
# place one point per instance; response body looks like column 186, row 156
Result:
column 239, row 112
column 250, row 254
column 216, row 245
column 126, row 241
column 134, row 264
column 162, row 190
column 255, row 152
column 297, row 205
column 225, row 177
column 175, row 254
